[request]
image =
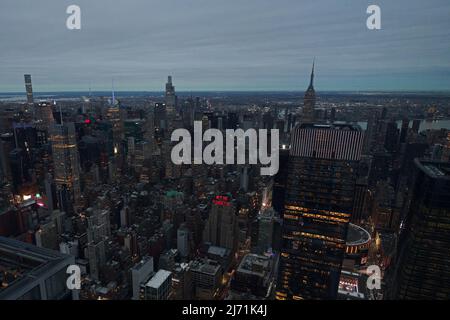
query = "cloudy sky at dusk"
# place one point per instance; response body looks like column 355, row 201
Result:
column 225, row 45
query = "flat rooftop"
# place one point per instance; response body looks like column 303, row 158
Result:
column 218, row 251
column 332, row 126
column 23, row 264
column 210, row 267
column 255, row 264
column 158, row 279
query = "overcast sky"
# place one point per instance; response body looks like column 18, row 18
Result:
column 225, row 45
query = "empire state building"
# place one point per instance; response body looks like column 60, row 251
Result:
column 309, row 101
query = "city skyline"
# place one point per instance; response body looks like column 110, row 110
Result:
column 241, row 152
column 262, row 46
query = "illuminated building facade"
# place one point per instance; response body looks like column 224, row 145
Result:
column 44, row 115
column 424, row 254
column 319, row 199
column 357, row 247
column 66, row 164
column 113, row 115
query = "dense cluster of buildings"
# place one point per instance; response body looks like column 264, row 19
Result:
column 92, row 184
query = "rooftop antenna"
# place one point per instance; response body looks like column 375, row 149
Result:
column 311, row 83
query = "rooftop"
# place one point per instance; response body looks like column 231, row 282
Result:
column 218, row 251
column 22, row 264
column 255, row 264
column 158, row 279
column 206, row 266
column 357, row 235
column 333, row 126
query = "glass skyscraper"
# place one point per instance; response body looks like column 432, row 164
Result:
column 319, row 198
column 424, row 255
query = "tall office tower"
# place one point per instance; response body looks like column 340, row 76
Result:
column 149, row 130
column 222, row 226
column 279, row 181
column 370, row 134
column 171, row 103
column 309, row 101
column 318, row 203
column 66, row 165
column 113, row 115
column 424, row 246
column 264, row 231
column 98, row 231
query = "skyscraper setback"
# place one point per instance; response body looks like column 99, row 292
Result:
column 317, row 209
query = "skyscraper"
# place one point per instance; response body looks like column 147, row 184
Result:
column 98, row 231
column 42, row 112
column 66, row 164
column 221, row 227
column 171, row 103
column 309, row 101
column 114, row 117
column 318, row 202
column 29, row 89
column 424, row 254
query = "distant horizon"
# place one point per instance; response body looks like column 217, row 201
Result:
column 255, row 45
column 187, row 91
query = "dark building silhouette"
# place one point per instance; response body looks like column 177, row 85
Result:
column 318, row 203
column 424, row 255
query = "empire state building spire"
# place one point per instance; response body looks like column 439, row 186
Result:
column 309, row 100
column 311, row 83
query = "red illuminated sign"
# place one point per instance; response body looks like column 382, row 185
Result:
column 223, row 201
